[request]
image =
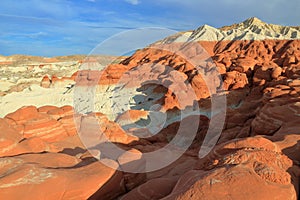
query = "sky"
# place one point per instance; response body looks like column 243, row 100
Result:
column 67, row 27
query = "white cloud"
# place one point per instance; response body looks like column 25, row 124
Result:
column 133, row 2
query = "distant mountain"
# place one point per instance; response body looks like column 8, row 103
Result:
column 250, row 29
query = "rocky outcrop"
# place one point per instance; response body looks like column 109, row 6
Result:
column 143, row 102
column 240, row 169
column 55, row 176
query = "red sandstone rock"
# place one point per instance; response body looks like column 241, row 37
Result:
column 153, row 189
column 68, row 122
column 23, row 114
column 9, row 138
column 45, row 109
column 260, row 80
column 30, row 123
column 44, row 127
column 235, row 80
column 224, row 183
column 244, row 64
column 46, row 82
column 257, row 160
column 40, row 178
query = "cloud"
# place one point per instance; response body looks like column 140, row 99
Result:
column 133, row 2
column 35, row 35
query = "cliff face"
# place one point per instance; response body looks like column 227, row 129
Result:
column 233, row 90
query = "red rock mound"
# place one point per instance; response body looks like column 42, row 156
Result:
column 257, row 155
column 241, row 169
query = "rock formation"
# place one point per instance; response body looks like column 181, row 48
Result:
column 140, row 106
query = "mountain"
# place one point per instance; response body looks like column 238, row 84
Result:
column 250, row 29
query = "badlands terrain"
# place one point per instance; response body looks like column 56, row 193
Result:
column 224, row 103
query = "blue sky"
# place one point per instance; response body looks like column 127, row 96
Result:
column 65, row 27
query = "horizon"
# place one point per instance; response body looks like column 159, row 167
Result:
column 59, row 28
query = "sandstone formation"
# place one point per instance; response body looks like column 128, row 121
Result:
column 141, row 104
